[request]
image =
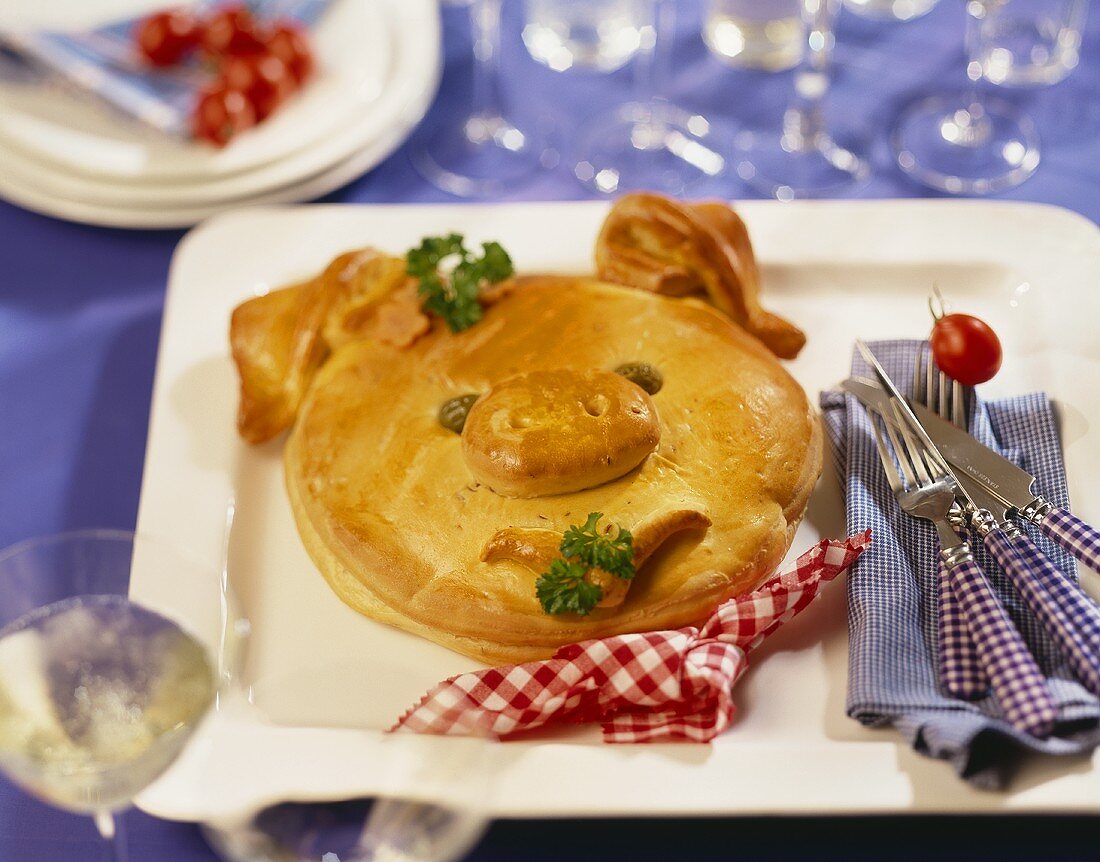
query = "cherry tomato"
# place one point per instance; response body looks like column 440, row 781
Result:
column 289, row 43
column 966, row 348
column 165, row 38
column 231, row 31
column 263, row 78
column 220, row 114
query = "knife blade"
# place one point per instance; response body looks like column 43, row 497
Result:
column 1070, row 617
column 991, row 472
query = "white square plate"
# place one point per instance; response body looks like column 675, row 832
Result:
column 322, row 683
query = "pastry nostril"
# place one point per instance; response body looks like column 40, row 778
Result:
column 596, row 405
column 519, row 421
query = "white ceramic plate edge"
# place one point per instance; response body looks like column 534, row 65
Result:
column 26, row 194
column 280, row 139
column 240, row 763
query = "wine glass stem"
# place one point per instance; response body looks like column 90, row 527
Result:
column 485, row 26
column 969, row 126
column 803, row 122
column 112, row 828
column 652, row 63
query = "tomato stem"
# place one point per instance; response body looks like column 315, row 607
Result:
column 940, row 306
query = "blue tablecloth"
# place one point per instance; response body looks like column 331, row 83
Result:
column 79, row 320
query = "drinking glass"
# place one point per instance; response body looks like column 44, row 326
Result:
column 649, row 143
column 479, row 150
column 100, row 691
column 597, row 34
column 756, row 34
column 1021, row 43
column 973, row 143
column 802, row 159
column 891, row 10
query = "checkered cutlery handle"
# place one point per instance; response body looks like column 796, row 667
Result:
column 961, row 671
column 1076, row 604
column 1017, row 682
column 1042, row 587
column 1073, row 534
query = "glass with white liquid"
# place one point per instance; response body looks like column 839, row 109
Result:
column 99, row 693
column 597, row 34
column 756, row 34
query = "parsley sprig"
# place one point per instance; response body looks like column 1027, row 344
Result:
column 454, row 297
column 563, row 589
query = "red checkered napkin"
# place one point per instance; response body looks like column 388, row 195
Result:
column 654, row 686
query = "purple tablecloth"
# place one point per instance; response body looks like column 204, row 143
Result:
column 79, row 320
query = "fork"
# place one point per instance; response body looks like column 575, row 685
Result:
column 1061, row 607
column 923, row 491
column 961, row 672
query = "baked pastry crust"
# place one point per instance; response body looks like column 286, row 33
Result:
column 389, row 510
column 676, row 248
column 559, row 430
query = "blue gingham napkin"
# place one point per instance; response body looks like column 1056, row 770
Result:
column 103, row 62
column 892, row 662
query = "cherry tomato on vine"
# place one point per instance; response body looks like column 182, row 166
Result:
column 220, row 114
column 231, row 31
column 966, row 348
column 167, row 37
column 263, row 78
column 289, row 43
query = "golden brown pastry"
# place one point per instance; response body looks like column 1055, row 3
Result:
column 559, row 430
column 280, row 339
column 445, row 535
column 674, row 248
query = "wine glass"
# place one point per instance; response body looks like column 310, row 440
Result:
column 969, row 142
column 480, row 150
column 891, row 10
column 802, row 159
column 100, row 691
column 649, row 143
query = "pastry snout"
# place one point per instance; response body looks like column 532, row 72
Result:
column 558, row 431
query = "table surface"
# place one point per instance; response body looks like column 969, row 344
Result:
column 80, row 314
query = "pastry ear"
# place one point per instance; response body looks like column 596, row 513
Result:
column 276, row 345
column 664, row 246
column 280, row 340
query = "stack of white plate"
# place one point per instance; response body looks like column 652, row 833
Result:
column 63, row 153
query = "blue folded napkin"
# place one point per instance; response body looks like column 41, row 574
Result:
column 892, row 605
column 103, row 62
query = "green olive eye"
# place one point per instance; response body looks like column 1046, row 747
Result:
column 643, row 375
column 452, row 415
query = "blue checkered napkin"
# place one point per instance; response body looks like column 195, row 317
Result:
column 893, row 661
column 103, row 62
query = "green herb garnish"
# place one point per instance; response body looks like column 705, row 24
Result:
column 563, row 588
column 454, row 297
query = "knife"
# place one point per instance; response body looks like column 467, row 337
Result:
column 1010, row 484
column 1059, row 604
column 1018, row 684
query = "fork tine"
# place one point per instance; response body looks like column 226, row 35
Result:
column 944, row 407
column 906, row 468
column 929, row 382
column 918, row 376
column 888, row 465
column 913, row 449
column 958, row 412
